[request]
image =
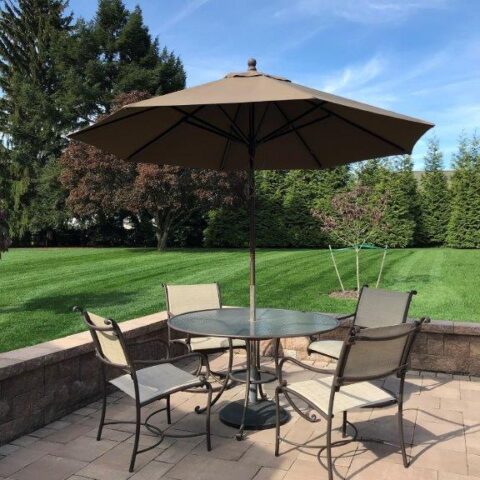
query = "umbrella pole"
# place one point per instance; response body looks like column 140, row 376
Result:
column 251, row 207
column 253, row 364
column 251, row 243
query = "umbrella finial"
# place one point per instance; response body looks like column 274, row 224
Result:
column 252, row 64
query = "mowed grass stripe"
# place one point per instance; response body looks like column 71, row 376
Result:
column 38, row 287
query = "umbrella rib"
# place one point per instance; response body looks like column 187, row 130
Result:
column 208, row 126
column 366, row 130
column 266, row 137
column 233, row 122
column 299, row 136
column 227, row 143
column 115, row 120
column 264, row 114
column 214, row 130
column 299, row 127
column 162, row 134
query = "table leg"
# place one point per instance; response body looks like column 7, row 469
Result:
column 254, row 412
column 253, row 367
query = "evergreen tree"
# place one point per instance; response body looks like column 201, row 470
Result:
column 284, row 203
column 271, row 229
column 307, row 190
column 4, row 236
column 56, row 77
column 464, row 224
column 373, row 172
column 120, row 56
column 34, row 112
column 435, row 197
column 51, row 217
column 393, row 180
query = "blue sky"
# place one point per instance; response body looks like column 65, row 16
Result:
column 418, row 57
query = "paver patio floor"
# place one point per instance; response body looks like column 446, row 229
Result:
column 442, row 427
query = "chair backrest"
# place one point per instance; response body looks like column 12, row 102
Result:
column 381, row 308
column 188, row 298
column 376, row 352
column 108, row 340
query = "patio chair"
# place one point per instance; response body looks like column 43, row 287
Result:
column 145, row 385
column 375, row 308
column 187, row 298
column 366, row 355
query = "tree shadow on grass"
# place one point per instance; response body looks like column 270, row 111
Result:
column 61, row 303
column 193, row 250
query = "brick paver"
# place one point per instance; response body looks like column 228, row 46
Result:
column 442, row 427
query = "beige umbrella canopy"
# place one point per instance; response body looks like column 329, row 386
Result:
column 250, row 121
column 289, row 125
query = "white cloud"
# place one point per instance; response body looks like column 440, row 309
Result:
column 361, row 11
column 435, row 86
column 354, row 76
column 190, row 7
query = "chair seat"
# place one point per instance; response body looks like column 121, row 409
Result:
column 213, row 343
column 330, row 348
column 361, row 394
column 156, row 381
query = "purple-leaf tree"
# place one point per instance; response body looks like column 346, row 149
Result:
column 352, row 219
column 5, row 241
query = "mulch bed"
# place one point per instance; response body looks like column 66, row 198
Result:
column 346, row 295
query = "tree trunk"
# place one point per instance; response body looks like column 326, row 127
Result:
column 357, row 254
column 161, row 231
column 161, row 239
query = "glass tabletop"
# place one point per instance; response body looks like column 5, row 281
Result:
column 235, row 323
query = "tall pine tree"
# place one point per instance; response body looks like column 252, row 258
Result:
column 34, row 112
column 394, row 181
column 306, row 190
column 118, row 55
column 55, row 77
column 434, row 197
column 464, row 224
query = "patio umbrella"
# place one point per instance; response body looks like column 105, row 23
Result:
column 249, row 121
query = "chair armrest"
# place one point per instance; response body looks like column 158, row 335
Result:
column 300, row 364
column 183, row 342
column 202, row 360
column 314, row 338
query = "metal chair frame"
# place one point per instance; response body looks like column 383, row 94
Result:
column 223, row 378
column 112, row 328
column 353, row 315
column 340, row 380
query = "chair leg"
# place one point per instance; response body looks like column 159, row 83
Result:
column 224, row 384
column 400, row 420
column 239, row 435
column 329, row 448
column 209, row 405
column 137, row 437
column 401, row 434
column 277, row 422
column 104, row 409
column 169, row 415
column 344, row 425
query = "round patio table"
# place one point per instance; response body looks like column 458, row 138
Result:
column 255, row 412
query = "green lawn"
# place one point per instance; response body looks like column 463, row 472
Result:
column 38, row 287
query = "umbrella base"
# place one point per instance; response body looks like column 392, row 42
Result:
column 259, row 416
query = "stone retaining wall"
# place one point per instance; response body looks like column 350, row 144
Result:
column 42, row 383
column 441, row 346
